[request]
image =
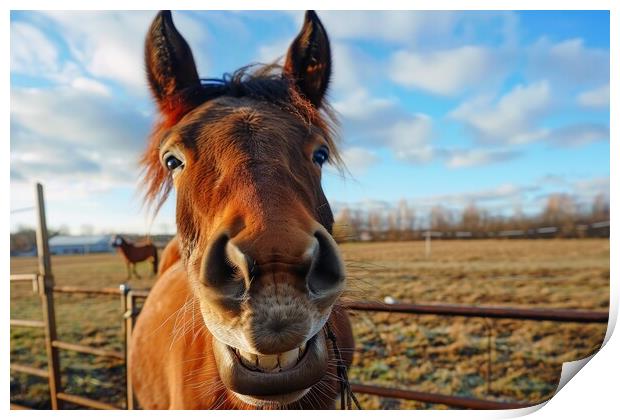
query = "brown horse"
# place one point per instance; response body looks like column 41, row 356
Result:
column 134, row 253
column 247, row 296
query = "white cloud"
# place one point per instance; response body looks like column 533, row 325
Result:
column 79, row 118
column 595, row 98
column 568, row 62
column 51, row 161
column 410, row 139
column 110, row 45
column 478, row 157
column 512, row 118
column 426, row 29
column 273, row 52
column 58, row 133
column 378, row 122
column 503, row 197
column 400, row 27
column 359, row 159
column 579, row 134
column 359, row 105
column 32, row 52
column 446, row 72
column 590, row 188
column 90, row 85
column 353, row 68
column 381, row 122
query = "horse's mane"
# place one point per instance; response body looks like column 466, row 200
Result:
column 146, row 241
column 262, row 82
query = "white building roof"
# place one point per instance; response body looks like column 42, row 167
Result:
column 66, row 240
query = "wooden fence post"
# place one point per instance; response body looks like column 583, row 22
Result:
column 125, row 289
column 46, row 292
column 129, row 323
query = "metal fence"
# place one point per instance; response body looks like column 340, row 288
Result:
column 484, row 312
column 42, row 283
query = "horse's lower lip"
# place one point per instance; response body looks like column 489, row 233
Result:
column 307, row 372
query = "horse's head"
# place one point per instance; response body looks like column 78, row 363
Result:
column 116, row 241
column 244, row 155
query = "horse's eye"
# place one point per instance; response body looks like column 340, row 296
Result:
column 172, row 162
column 320, row 156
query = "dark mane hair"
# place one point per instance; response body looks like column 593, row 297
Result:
column 262, row 82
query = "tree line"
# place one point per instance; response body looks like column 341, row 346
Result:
column 560, row 217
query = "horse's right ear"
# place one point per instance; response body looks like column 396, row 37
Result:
column 170, row 66
column 308, row 60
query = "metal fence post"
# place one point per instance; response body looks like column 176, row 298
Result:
column 46, row 292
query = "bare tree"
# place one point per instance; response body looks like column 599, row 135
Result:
column 440, row 219
column 600, row 208
column 471, row 218
column 343, row 229
column 375, row 223
column 560, row 211
column 405, row 220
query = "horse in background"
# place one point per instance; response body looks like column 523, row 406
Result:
column 136, row 252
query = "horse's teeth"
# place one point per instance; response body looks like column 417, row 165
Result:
column 249, row 358
column 268, row 362
column 288, row 359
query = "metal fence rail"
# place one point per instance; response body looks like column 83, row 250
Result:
column 532, row 314
column 427, row 397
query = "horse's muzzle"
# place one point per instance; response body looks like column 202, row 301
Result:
column 272, row 386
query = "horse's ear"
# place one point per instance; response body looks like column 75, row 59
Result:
column 170, row 64
column 308, row 60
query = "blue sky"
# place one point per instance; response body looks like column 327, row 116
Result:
column 496, row 108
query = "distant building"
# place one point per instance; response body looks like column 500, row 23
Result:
column 65, row 244
column 32, row 252
column 365, row 236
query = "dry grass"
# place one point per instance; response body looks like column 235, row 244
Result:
column 450, row 355
column 426, row 353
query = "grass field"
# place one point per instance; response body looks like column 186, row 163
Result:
column 426, row 353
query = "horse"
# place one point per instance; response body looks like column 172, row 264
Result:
column 136, row 252
column 247, row 310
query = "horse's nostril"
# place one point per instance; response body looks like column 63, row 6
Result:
column 326, row 275
column 224, row 267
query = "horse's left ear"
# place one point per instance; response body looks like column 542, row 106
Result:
column 308, row 60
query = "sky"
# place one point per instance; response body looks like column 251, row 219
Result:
column 499, row 109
